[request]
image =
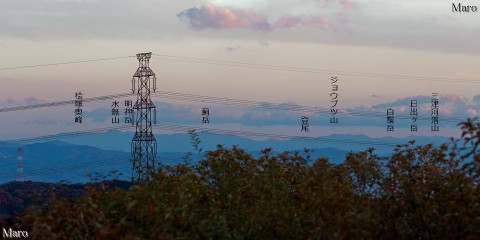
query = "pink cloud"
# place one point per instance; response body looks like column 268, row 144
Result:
column 210, row 16
column 452, row 98
column 472, row 112
column 445, row 109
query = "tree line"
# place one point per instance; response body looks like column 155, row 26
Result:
column 417, row 192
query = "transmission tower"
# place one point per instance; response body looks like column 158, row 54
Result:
column 144, row 145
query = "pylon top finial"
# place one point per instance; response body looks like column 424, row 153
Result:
column 144, row 56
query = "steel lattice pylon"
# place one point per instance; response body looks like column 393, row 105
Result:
column 144, row 145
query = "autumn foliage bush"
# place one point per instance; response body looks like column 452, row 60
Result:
column 419, row 192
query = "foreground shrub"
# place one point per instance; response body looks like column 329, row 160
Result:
column 419, row 192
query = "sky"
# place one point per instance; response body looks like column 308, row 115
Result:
column 383, row 52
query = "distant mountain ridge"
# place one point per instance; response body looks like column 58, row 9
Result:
column 180, row 142
column 73, row 158
column 58, row 161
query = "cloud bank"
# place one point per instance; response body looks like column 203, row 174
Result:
column 362, row 23
column 210, row 16
column 453, row 110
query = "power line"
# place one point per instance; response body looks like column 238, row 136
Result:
column 229, row 101
column 178, row 128
column 264, row 66
column 310, row 70
column 216, row 100
column 286, row 107
column 64, row 63
column 185, row 128
column 67, row 168
column 62, row 103
column 64, row 135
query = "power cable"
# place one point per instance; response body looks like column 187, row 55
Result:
column 263, row 66
column 64, row 63
column 229, row 101
column 309, row 70
column 186, row 128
